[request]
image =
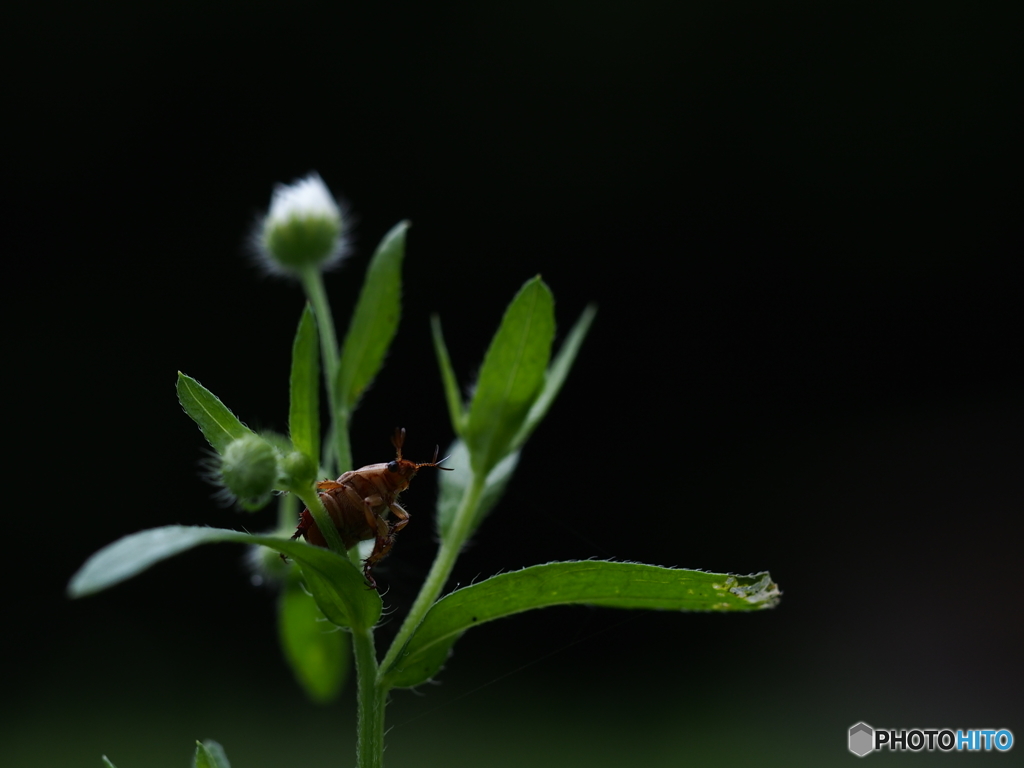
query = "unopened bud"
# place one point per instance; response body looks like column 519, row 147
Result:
column 297, row 470
column 304, row 228
column 249, row 470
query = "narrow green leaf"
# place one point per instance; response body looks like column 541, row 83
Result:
column 589, row 582
column 319, row 653
column 556, row 374
column 453, row 486
column 304, row 409
column 107, row 763
column 374, row 320
column 219, row 425
column 210, row 754
column 335, row 582
column 451, row 384
column 511, row 376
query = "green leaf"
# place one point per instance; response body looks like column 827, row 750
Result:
column 219, row 425
column 453, row 486
column 336, row 584
column 107, row 763
column 304, row 409
column 511, row 376
column 451, row 384
column 319, row 653
column 374, row 320
column 589, row 582
column 556, row 374
column 210, row 754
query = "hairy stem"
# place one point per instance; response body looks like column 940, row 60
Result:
column 313, row 283
column 287, row 513
column 448, row 552
column 372, row 699
column 323, row 520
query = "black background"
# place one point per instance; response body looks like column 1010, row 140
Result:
column 801, row 224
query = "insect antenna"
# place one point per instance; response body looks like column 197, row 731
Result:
column 398, row 440
column 435, row 462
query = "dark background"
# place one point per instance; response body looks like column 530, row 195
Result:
column 801, row 223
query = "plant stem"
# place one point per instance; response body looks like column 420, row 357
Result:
column 447, row 553
column 311, row 499
column 287, row 513
column 371, row 696
column 371, row 700
column 313, row 283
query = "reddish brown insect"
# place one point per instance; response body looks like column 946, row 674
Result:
column 358, row 503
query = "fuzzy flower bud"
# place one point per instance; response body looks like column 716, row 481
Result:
column 297, row 470
column 249, row 470
column 304, row 228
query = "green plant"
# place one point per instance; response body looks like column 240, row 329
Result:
column 517, row 384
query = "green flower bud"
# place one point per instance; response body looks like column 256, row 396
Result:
column 249, row 470
column 297, row 470
column 303, row 228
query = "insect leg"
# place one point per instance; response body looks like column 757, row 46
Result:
column 370, row 503
column 381, row 535
column 381, row 546
column 401, row 517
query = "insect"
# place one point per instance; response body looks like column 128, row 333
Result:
column 358, row 503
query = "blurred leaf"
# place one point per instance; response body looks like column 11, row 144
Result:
column 453, row 486
column 304, row 408
column 335, row 582
column 219, row 425
column 451, row 384
column 107, row 763
column 374, row 320
column 319, row 653
column 210, row 754
column 511, row 376
column 589, row 582
column 556, row 374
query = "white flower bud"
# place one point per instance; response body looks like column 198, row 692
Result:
column 304, row 228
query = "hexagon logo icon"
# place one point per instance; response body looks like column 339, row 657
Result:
column 862, row 737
